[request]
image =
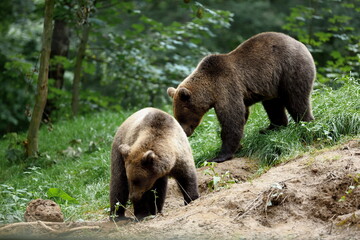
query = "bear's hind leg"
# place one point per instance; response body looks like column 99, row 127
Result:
column 299, row 109
column 275, row 110
column 187, row 183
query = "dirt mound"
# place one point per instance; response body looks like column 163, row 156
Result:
column 43, row 210
column 316, row 196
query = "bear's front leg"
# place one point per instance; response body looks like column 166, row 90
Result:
column 157, row 198
column 119, row 191
column 141, row 207
column 232, row 121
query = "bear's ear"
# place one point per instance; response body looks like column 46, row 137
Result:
column 171, row 92
column 148, row 159
column 124, row 150
column 184, row 94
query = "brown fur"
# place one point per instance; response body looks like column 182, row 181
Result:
column 148, row 147
column 270, row 67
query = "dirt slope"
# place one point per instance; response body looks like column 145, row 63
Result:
column 295, row 200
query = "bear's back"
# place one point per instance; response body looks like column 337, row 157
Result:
column 271, row 47
column 157, row 119
column 150, row 125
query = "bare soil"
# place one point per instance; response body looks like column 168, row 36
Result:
column 316, row 196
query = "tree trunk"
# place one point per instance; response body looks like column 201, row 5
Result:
column 59, row 47
column 42, row 86
column 77, row 72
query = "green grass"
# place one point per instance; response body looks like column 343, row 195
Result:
column 65, row 163
column 75, row 154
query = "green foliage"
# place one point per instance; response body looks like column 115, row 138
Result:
column 20, row 37
column 131, row 57
column 85, row 177
column 149, row 55
column 206, row 139
column 16, row 95
column 60, row 196
column 353, row 186
column 219, row 181
column 138, row 49
column 329, row 29
column 14, row 153
column 13, row 203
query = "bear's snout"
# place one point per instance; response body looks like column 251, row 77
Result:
column 135, row 196
column 188, row 130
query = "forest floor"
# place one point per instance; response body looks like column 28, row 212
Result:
column 315, row 196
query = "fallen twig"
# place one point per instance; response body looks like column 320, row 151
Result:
column 45, row 226
column 254, row 204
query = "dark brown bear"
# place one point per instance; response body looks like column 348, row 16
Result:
column 148, row 147
column 270, row 67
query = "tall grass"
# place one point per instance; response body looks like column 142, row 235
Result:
column 75, row 154
column 74, row 158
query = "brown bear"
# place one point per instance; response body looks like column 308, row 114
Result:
column 269, row 67
column 148, row 147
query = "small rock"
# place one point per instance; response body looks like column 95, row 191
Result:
column 43, row 210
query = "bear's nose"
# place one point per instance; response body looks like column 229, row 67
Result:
column 188, row 130
column 135, row 197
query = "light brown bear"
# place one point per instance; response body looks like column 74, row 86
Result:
column 148, row 147
column 270, row 67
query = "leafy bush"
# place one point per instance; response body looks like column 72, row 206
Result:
column 149, row 56
column 16, row 93
column 330, row 30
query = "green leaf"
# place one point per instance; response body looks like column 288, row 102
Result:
column 138, row 27
column 343, row 198
column 216, row 180
column 336, row 54
column 58, row 193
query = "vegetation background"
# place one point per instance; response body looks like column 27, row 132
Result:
column 134, row 50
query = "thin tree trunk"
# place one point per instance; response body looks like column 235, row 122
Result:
column 59, row 47
column 42, row 86
column 77, row 72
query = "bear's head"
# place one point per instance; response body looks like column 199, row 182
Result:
column 197, row 93
column 189, row 106
column 143, row 168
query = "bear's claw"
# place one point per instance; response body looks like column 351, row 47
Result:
column 221, row 158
